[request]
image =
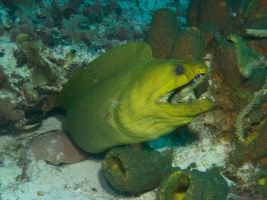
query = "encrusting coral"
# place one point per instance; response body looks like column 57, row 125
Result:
column 44, row 72
column 9, row 111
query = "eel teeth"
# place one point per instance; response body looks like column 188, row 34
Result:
column 184, row 94
column 197, row 78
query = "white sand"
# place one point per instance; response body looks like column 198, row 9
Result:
column 42, row 181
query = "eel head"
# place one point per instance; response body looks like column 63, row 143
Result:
column 166, row 98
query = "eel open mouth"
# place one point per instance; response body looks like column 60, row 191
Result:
column 184, row 94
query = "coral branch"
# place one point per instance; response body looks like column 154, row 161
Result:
column 240, row 118
column 256, row 32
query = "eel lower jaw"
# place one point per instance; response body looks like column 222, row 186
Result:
column 184, row 94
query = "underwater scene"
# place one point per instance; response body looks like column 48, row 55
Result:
column 133, row 99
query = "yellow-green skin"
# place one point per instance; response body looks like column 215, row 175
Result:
column 114, row 100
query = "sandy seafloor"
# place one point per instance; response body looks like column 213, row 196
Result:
column 84, row 180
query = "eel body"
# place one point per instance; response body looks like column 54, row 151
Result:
column 125, row 97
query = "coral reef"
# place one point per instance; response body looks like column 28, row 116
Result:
column 96, row 23
column 192, row 184
column 233, row 88
column 30, row 80
column 56, row 38
column 244, row 83
column 238, row 77
column 135, row 170
column 247, row 158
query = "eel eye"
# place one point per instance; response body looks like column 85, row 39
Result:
column 179, row 69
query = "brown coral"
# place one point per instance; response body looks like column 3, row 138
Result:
column 56, row 148
column 8, row 110
column 44, row 71
column 215, row 12
column 162, row 33
column 189, row 45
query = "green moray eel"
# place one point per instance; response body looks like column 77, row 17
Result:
column 125, row 96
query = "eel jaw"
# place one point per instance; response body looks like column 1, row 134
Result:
column 184, row 94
